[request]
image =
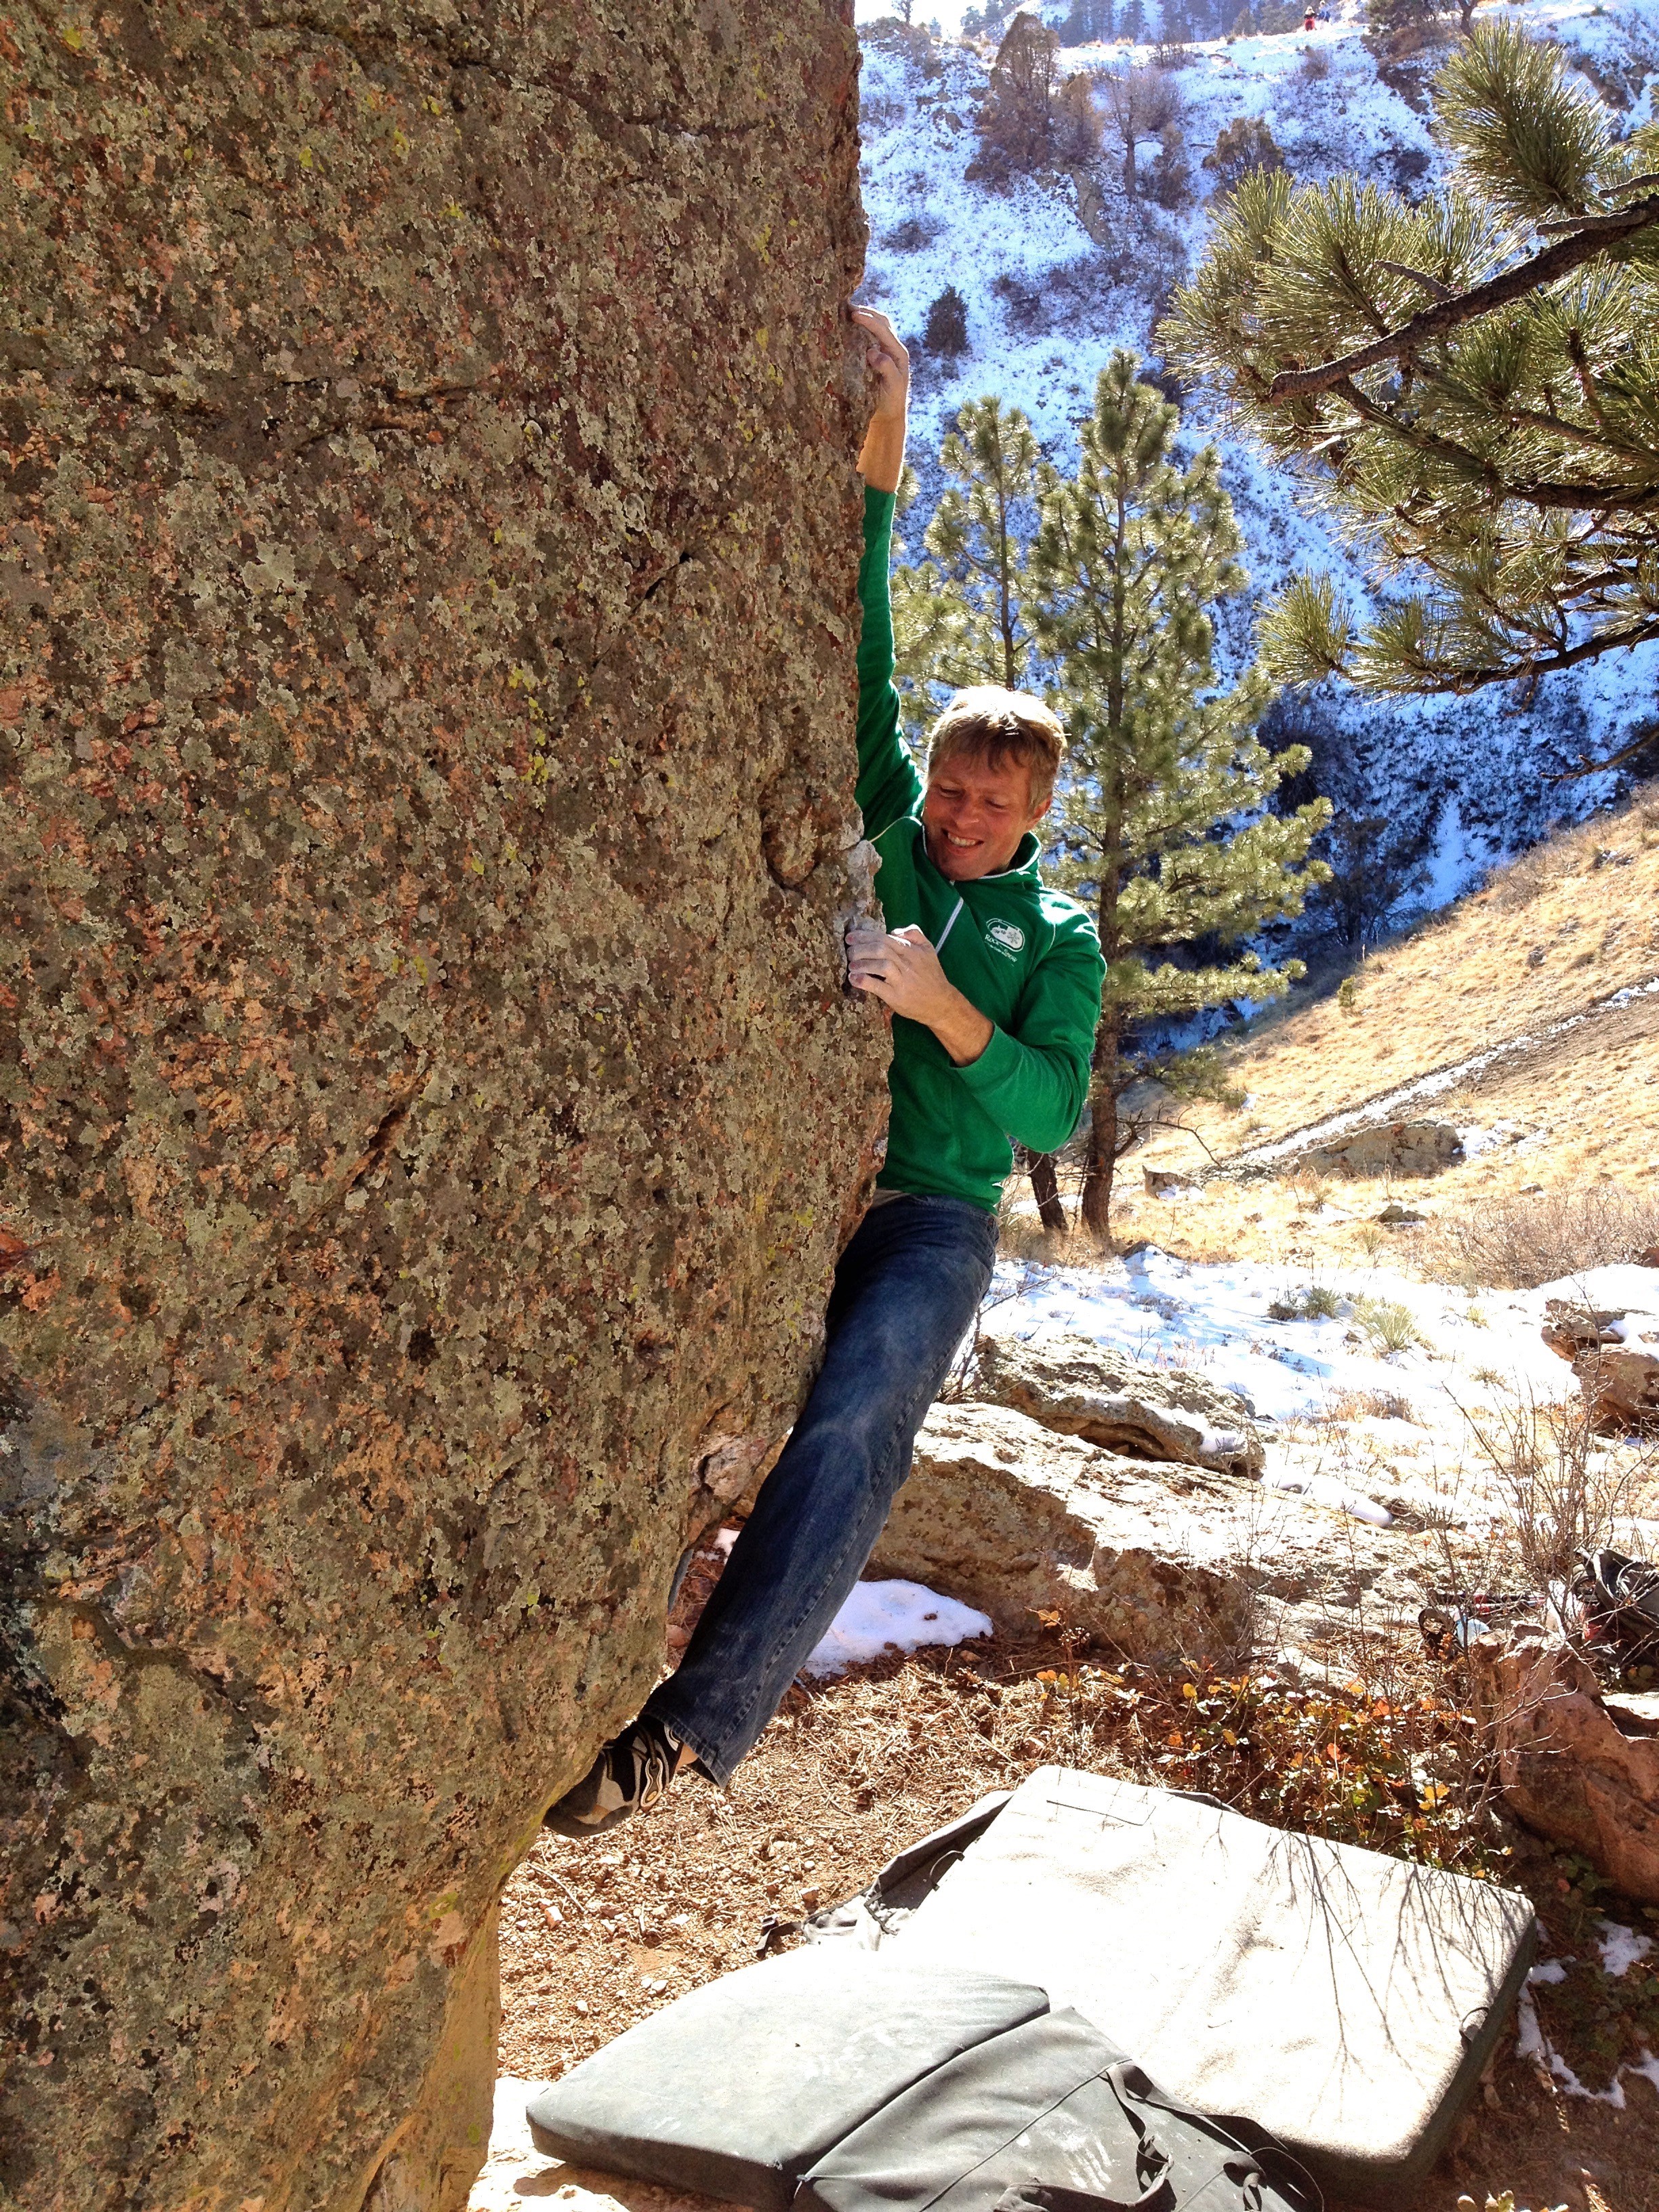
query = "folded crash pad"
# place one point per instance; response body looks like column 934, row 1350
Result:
column 1345, row 2002
column 736, row 2089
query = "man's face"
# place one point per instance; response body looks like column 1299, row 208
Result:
column 975, row 815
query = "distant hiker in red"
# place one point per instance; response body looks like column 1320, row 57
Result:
column 994, row 985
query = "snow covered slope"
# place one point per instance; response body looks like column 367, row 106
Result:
column 1048, row 300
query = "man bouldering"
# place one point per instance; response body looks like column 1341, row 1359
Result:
column 993, row 983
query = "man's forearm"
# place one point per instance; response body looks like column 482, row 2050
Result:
column 962, row 1029
column 881, row 462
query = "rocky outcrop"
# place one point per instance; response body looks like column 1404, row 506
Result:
column 429, row 1104
column 1164, row 1563
column 1615, row 1356
column 1072, row 1384
column 1580, row 1767
column 1412, row 1148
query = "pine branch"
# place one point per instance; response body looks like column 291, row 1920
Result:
column 1590, row 236
column 1596, row 498
column 1590, row 648
column 1575, row 433
column 1431, row 285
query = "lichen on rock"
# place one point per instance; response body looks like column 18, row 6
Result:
column 428, row 1103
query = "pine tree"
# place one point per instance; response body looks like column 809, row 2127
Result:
column 1241, row 147
column 959, row 617
column 1470, row 386
column 1164, row 827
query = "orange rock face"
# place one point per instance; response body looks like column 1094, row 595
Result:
column 428, row 1103
column 1580, row 1768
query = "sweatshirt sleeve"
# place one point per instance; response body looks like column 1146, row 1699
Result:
column 888, row 785
column 1033, row 1079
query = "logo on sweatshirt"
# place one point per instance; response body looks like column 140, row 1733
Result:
column 1007, row 936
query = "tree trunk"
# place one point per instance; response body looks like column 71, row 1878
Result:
column 1100, row 1161
column 1045, row 1188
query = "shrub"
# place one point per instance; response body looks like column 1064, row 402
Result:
column 1387, row 1327
column 1396, row 29
column 1027, row 305
column 1564, row 1493
column 1316, row 1302
column 911, row 235
column 1034, row 116
column 1244, row 147
column 1517, row 1243
column 1392, row 1765
column 946, row 332
column 1315, row 65
column 1141, row 103
column 1169, row 181
column 1409, row 166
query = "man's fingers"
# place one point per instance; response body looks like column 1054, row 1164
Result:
column 887, row 338
column 912, row 935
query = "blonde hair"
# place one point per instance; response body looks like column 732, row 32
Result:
column 987, row 723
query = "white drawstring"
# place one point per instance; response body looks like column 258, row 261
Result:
column 949, row 925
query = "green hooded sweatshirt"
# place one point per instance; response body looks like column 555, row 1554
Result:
column 1027, row 957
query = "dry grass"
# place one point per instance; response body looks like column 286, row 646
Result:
column 1566, row 1488
column 1516, row 1243
column 1581, row 1109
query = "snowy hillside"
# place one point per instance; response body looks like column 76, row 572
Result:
column 1052, row 285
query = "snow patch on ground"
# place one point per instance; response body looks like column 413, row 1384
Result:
column 1531, row 2043
column 1621, row 1949
column 879, row 1615
column 1346, row 1422
column 1214, row 1316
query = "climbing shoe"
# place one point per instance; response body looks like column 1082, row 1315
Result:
column 633, row 1772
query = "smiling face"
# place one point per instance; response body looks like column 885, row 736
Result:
column 975, row 815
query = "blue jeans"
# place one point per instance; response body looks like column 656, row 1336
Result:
column 905, row 1293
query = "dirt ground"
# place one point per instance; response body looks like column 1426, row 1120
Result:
column 596, row 1935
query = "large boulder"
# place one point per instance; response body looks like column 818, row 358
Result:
column 1166, row 1563
column 428, row 1101
column 1412, row 1148
column 1072, row 1384
column 1615, row 1355
column 1580, row 1767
